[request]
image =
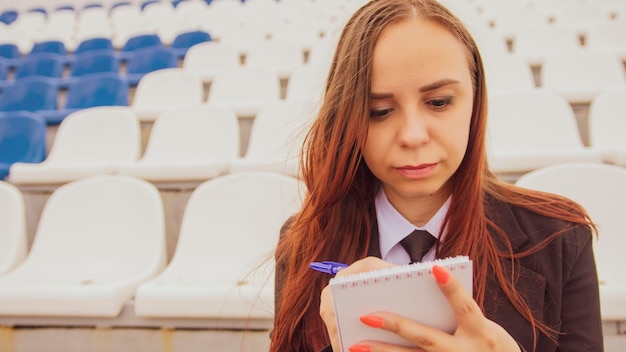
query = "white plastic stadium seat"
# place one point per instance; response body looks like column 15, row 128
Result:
column 580, row 75
column 245, row 90
column 508, row 72
column 208, row 58
column 13, row 241
column 601, row 189
column 531, row 129
column 279, row 57
column 88, row 142
column 165, row 89
column 223, row 266
column 607, row 125
column 276, row 139
column 193, row 143
column 97, row 240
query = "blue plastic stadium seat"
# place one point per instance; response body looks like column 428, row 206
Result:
column 119, row 4
column 96, row 89
column 175, row 3
column 94, row 44
column 139, row 42
column 148, row 3
column 184, row 41
column 41, row 64
column 39, row 9
column 67, row 7
column 22, row 139
column 49, row 46
column 8, row 16
column 88, row 62
column 12, row 52
column 35, row 93
column 93, row 5
column 146, row 60
column 4, row 69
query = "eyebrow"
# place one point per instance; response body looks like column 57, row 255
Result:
column 437, row 85
column 429, row 87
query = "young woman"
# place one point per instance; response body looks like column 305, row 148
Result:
column 398, row 145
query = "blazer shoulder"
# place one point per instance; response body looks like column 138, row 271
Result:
column 527, row 228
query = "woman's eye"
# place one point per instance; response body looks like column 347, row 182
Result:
column 379, row 113
column 440, row 103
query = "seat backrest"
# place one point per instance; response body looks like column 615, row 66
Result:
column 49, row 46
column 94, row 44
column 607, row 119
column 279, row 129
column 543, row 40
column 189, row 39
column 98, row 134
column 4, row 67
column 9, row 16
column 9, row 51
column 110, row 218
column 121, row 14
column 245, row 83
column 151, row 59
column 214, row 222
column 94, row 61
column 30, row 94
column 274, row 54
column 194, row 132
column 531, row 121
column 170, row 86
column 13, row 241
column 601, row 190
column 583, row 68
column 211, row 56
column 22, row 138
column 141, row 41
column 307, row 83
column 97, row 89
column 41, row 64
column 507, row 71
column 607, row 36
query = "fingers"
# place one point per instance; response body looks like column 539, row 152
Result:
column 327, row 312
column 363, row 265
column 465, row 309
column 474, row 331
column 425, row 337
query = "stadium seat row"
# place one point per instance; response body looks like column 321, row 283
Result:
column 101, row 242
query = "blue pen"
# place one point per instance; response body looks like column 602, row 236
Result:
column 328, row 267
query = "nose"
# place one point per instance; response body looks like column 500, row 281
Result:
column 413, row 131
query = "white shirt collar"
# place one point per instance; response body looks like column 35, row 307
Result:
column 393, row 226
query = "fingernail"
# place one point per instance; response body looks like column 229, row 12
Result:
column 373, row 321
column 359, row 348
column 441, row 275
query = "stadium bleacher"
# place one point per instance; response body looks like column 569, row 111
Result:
column 233, row 84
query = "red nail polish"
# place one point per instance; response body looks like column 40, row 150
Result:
column 359, row 348
column 373, row 321
column 441, row 275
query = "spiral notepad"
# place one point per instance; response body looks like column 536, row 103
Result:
column 408, row 290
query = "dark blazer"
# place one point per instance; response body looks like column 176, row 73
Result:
column 559, row 283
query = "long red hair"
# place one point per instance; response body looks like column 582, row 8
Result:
column 336, row 218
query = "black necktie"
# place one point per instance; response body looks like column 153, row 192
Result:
column 417, row 244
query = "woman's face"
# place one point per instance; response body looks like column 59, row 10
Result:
column 420, row 112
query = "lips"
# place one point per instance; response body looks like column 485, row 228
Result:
column 416, row 171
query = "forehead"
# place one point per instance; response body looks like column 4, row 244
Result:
column 416, row 47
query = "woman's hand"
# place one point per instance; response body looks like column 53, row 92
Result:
column 474, row 332
column 327, row 311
